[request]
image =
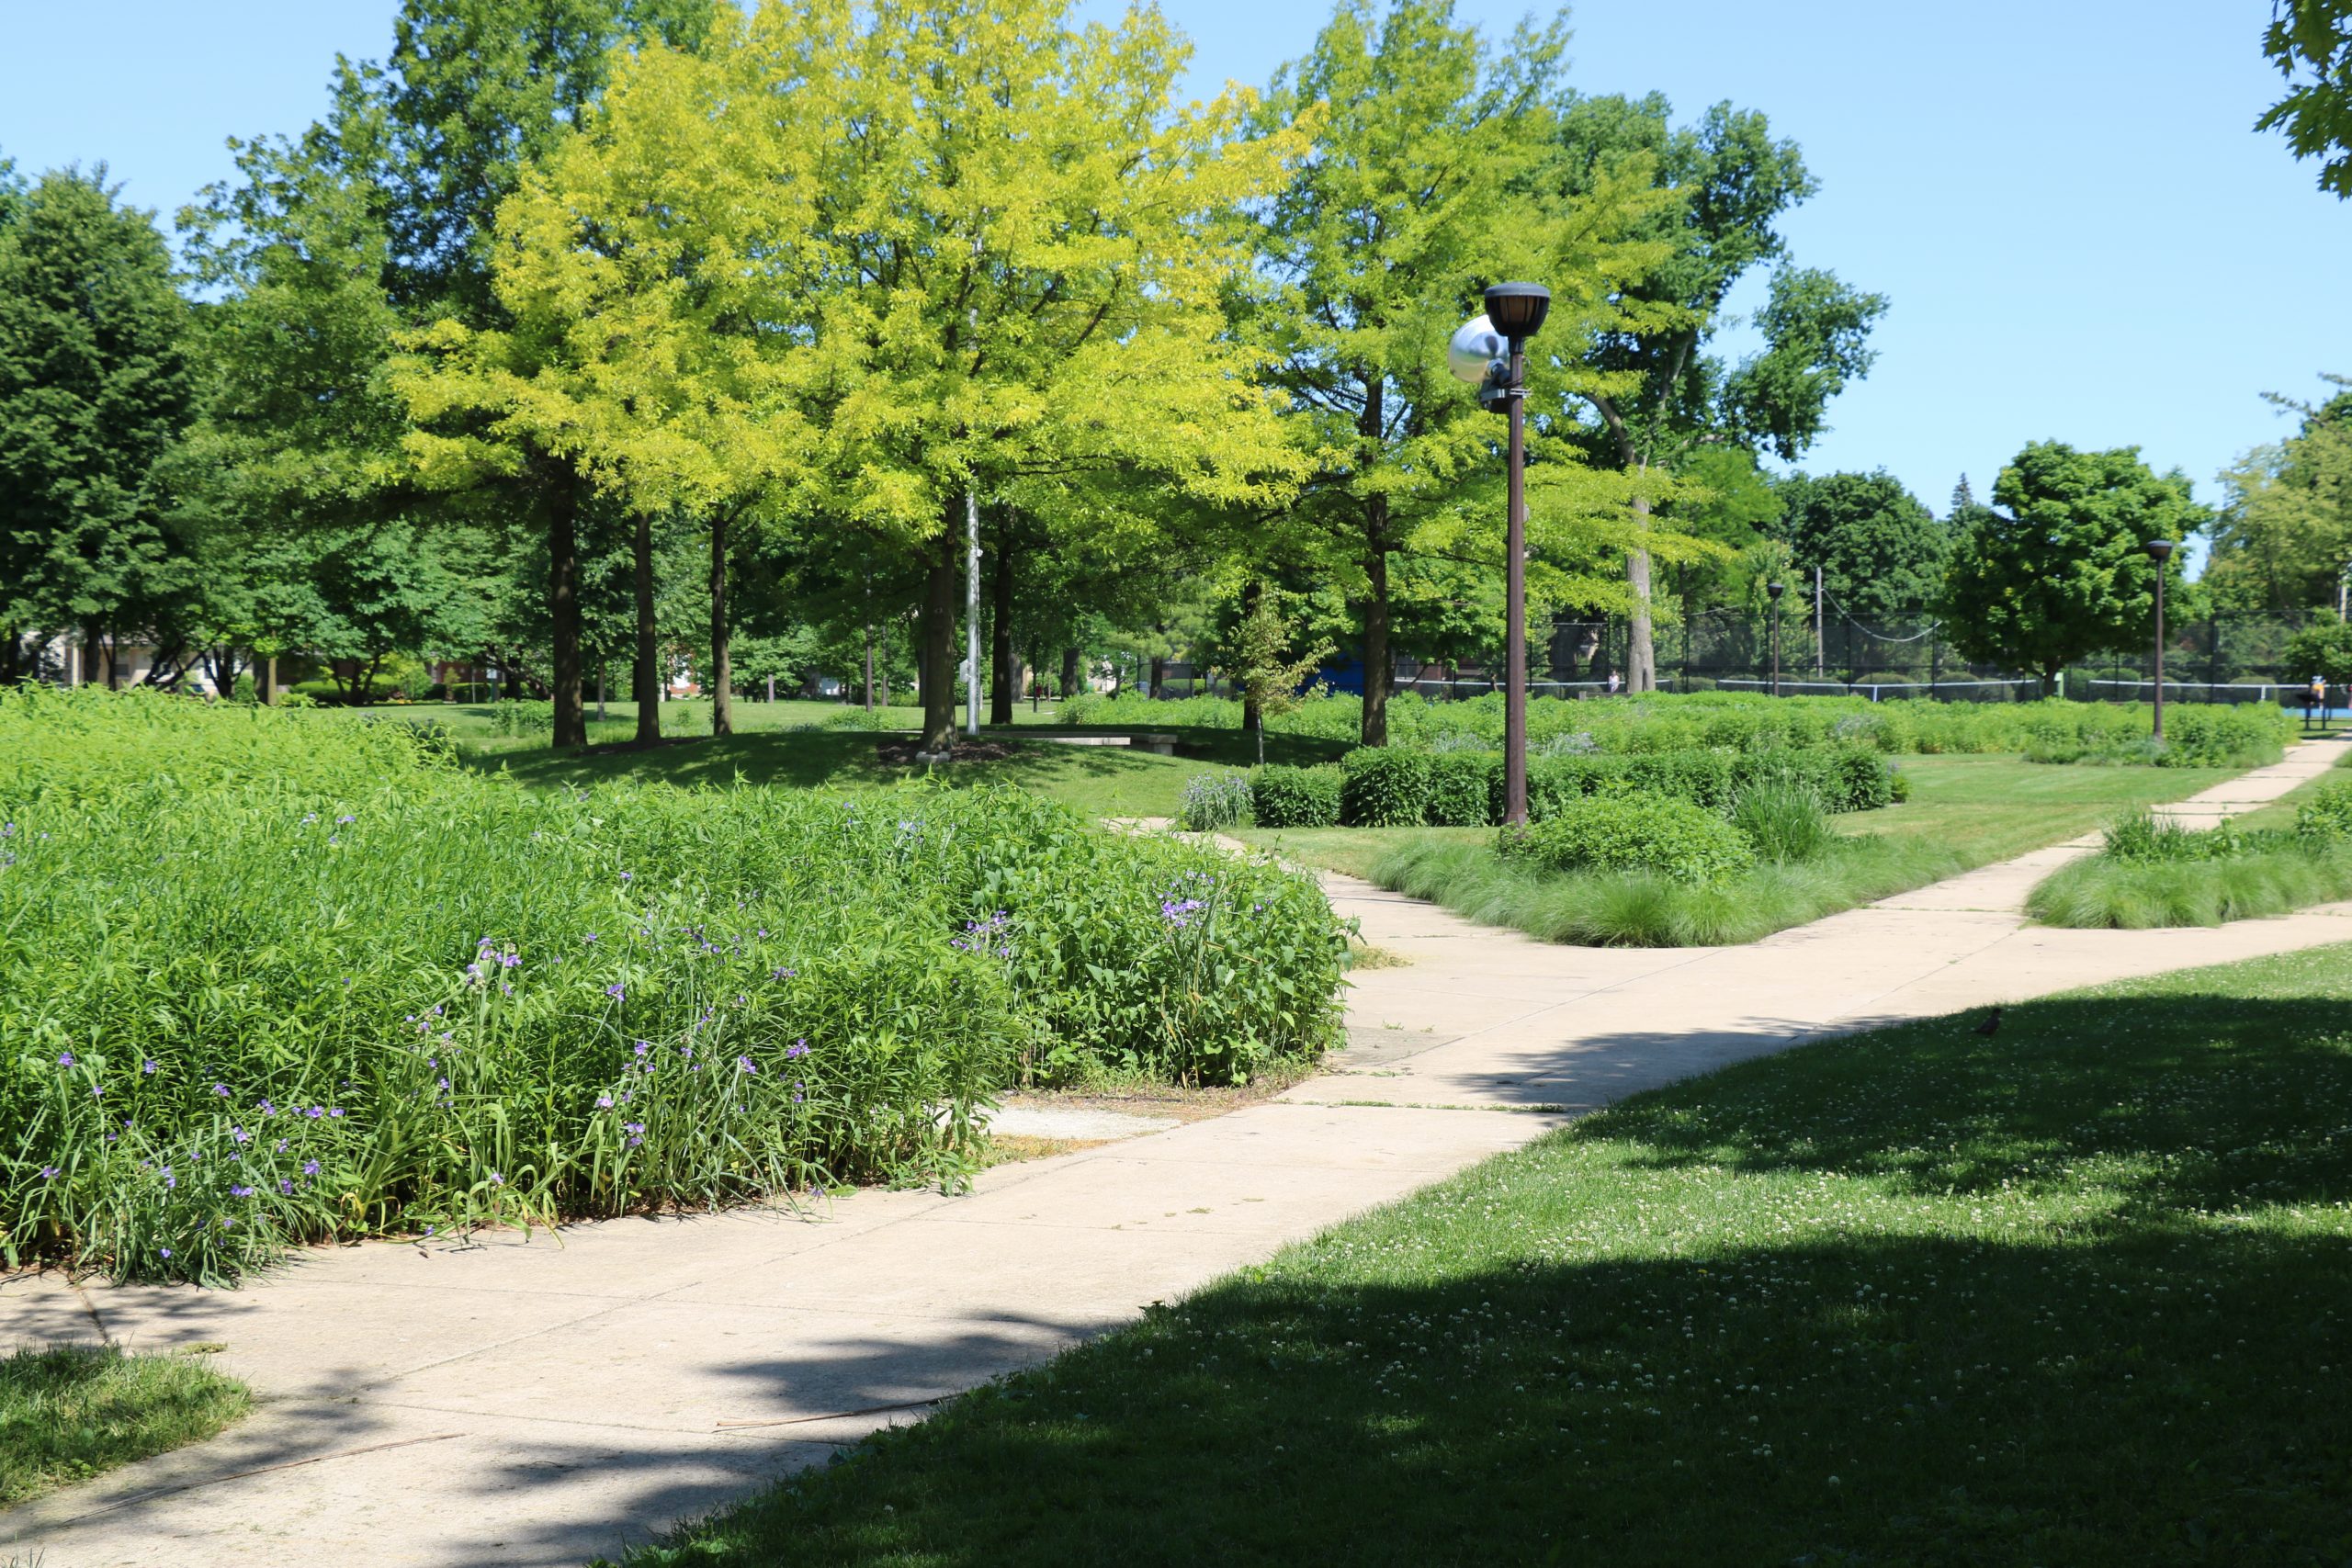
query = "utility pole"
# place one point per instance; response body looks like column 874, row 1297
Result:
column 971, row 612
column 1820, row 643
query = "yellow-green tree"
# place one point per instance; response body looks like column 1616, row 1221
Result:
column 1425, row 186
column 652, row 266
column 1022, row 241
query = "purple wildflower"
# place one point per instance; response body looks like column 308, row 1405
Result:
column 49, row 1173
column 615, row 991
column 240, row 1191
column 221, row 1090
column 65, row 1058
column 150, row 1068
column 745, row 1064
column 604, row 1102
column 310, row 1168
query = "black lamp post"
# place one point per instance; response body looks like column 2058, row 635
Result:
column 2160, row 551
column 1515, row 312
column 1774, row 591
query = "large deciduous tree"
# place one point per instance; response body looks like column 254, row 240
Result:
column 653, row 292
column 2282, row 535
column 2056, row 570
column 1881, row 552
column 2311, row 44
column 1425, row 186
column 95, row 385
column 1022, row 244
column 1657, row 386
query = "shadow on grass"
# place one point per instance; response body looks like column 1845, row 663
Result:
column 2075, row 1294
column 818, row 758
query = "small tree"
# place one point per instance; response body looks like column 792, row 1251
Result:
column 2323, row 648
column 1268, row 676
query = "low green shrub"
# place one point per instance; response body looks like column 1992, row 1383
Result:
column 1459, row 789
column 1296, row 798
column 276, row 977
column 1384, row 787
column 1671, row 838
column 2327, row 815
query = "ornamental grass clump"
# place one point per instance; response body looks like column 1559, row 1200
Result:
column 277, row 978
column 2150, row 872
column 1213, row 801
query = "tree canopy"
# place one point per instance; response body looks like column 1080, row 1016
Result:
column 2060, row 571
column 96, row 383
column 2311, row 44
column 1881, row 552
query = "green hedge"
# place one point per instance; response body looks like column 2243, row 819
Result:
column 1671, row 837
column 1384, row 787
column 1458, row 790
column 1296, row 798
column 2201, row 733
column 1393, row 787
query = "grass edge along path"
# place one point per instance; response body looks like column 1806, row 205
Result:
column 1965, row 812
column 2074, row 1292
column 71, row 1412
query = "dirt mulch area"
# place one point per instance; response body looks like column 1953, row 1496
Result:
column 901, row 754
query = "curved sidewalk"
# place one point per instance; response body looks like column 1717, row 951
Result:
column 538, row 1401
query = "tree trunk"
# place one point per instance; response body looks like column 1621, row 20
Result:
column 1253, row 721
column 648, row 673
column 1641, row 645
column 723, row 666
column 938, row 660
column 1070, row 672
column 1159, row 675
column 1001, row 694
column 1379, row 663
column 563, row 610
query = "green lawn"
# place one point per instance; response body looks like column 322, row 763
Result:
column 2080, row 1293
column 1963, row 812
column 1102, row 781
column 73, row 1412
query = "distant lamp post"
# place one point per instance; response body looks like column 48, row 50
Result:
column 2160, row 551
column 1489, row 352
column 1773, row 590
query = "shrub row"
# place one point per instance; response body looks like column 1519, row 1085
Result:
column 269, row 976
column 2197, row 735
column 1392, row 787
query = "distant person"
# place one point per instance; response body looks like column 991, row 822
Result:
column 1615, row 680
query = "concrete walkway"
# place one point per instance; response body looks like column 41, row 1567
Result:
column 538, row 1401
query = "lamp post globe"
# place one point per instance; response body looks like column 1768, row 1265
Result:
column 1475, row 349
column 2159, row 551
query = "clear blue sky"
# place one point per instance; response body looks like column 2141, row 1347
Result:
column 2081, row 234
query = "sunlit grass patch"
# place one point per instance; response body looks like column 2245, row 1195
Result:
column 71, row 1412
column 2077, row 1291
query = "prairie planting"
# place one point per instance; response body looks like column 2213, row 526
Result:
column 2197, row 735
column 272, row 976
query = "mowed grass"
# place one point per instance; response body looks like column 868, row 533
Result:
column 1101, row 781
column 2078, row 1292
column 1963, row 812
column 68, row 1412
